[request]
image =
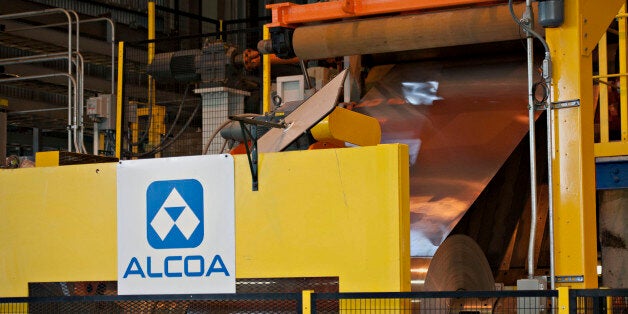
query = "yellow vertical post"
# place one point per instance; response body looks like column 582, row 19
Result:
column 573, row 158
column 266, row 75
column 119, row 98
column 154, row 128
column 563, row 300
column 306, row 301
column 101, row 142
column 623, row 69
column 151, row 30
column 220, row 29
column 135, row 135
column 603, row 72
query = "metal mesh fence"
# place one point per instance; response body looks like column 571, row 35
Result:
column 436, row 302
column 216, row 303
column 177, row 96
column 614, row 301
column 243, row 285
column 284, row 295
column 253, row 295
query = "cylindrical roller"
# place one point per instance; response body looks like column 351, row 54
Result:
column 459, row 265
column 407, row 32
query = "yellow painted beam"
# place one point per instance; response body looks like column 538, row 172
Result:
column 47, row 159
column 156, row 128
column 266, row 75
column 306, row 301
column 611, row 149
column 603, row 89
column 563, row 300
column 119, row 89
column 348, row 126
column 151, row 31
column 336, row 212
column 593, row 21
column 573, row 155
column 623, row 69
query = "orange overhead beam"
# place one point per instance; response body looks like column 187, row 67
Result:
column 289, row 14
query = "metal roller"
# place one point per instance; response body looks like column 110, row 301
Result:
column 407, row 32
column 459, row 265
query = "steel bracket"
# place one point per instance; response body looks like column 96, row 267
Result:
column 251, row 149
column 569, row 279
column 560, row 104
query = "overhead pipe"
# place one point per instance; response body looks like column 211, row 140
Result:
column 34, row 58
column 78, row 106
column 78, row 143
column 547, row 77
column 529, row 17
column 38, row 110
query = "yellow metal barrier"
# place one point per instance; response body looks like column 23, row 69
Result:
column 156, row 128
column 320, row 213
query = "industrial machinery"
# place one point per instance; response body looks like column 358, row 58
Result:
column 216, row 69
column 457, row 197
column 471, row 130
column 216, row 64
column 432, row 106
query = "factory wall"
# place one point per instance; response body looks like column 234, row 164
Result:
column 317, row 213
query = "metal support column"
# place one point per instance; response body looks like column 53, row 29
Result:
column 572, row 154
column 36, row 140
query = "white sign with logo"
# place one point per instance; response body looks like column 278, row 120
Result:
column 176, row 229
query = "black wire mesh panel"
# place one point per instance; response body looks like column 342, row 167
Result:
column 436, row 302
column 243, row 285
column 613, row 301
column 253, row 295
column 218, row 303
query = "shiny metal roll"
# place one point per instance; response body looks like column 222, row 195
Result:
column 474, row 25
column 459, row 265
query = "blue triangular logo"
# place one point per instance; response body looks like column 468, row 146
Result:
column 174, row 212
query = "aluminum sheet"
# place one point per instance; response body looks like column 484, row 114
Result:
column 477, row 116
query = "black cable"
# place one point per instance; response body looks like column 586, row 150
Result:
column 166, row 145
column 526, row 28
column 150, row 121
column 542, row 85
column 176, row 118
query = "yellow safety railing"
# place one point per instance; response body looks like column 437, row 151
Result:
column 616, row 145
